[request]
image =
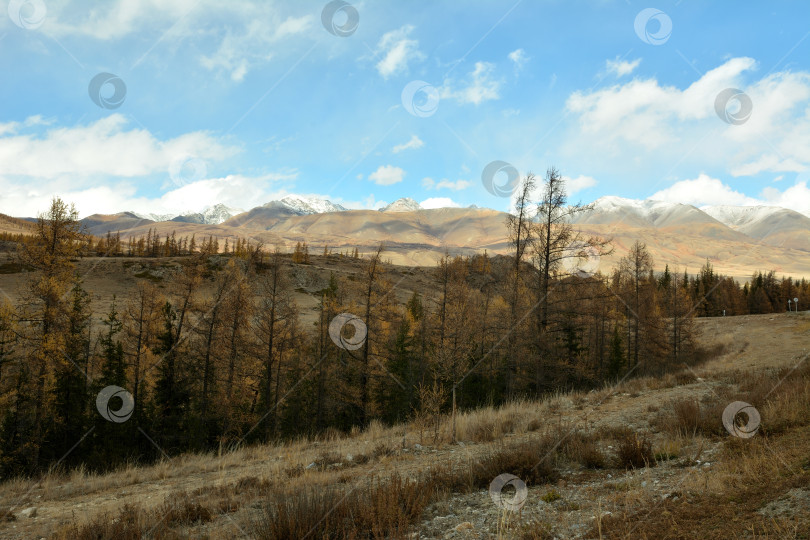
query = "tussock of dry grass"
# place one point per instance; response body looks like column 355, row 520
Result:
column 385, row 509
column 635, row 451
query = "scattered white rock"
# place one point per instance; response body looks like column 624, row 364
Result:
column 30, row 512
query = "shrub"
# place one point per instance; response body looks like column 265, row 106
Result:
column 635, row 452
column 551, row 496
column 384, row 509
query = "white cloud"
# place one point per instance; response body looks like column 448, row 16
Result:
column 234, row 36
column 252, row 43
column 796, row 197
column 107, row 147
column 643, row 120
column 397, row 50
column 703, row 191
column 519, row 58
column 621, row 68
column 14, row 127
column 387, row 175
column 480, row 86
column 414, row 143
column 707, row 191
column 580, row 183
column 439, row 202
column 234, row 190
column 458, row 185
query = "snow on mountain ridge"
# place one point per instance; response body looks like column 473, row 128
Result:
column 210, row 215
column 404, row 204
column 302, row 205
column 740, row 216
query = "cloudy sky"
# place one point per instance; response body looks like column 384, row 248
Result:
column 172, row 105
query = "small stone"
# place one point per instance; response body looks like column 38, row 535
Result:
column 29, row 512
column 349, row 457
column 311, row 465
column 417, row 446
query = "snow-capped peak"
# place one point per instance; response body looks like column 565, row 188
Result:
column 210, row 215
column 301, row 204
column 740, row 216
column 405, row 204
column 214, row 215
column 153, row 217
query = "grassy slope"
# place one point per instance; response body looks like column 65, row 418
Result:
column 233, row 495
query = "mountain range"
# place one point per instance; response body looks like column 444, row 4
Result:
column 738, row 240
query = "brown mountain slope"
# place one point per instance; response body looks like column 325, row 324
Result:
column 14, row 225
column 420, row 237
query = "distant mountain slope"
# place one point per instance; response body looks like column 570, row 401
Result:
column 303, row 205
column 646, row 213
column 210, row 215
column 405, row 204
column 14, row 225
column 770, row 224
column 101, row 224
column 676, row 234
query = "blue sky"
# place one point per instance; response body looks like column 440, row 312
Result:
column 243, row 102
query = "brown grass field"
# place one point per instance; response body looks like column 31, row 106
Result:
column 647, row 458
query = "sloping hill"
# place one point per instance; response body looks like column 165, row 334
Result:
column 14, row 225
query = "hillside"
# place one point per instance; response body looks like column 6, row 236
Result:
column 701, row 483
column 13, row 225
column 677, row 235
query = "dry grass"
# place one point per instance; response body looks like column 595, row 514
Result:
column 386, row 509
column 134, row 523
column 635, row 451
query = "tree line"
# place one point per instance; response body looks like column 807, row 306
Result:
column 222, row 355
